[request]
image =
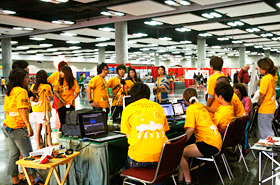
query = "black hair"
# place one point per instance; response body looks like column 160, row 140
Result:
column 100, row 67
column 242, row 89
column 62, row 64
column 217, row 63
column 139, row 91
column 268, row 65
column 136, row 77
column 19, row 64
column 68, row 77
column 188, row 93
column 119, row 67
column 41, row 78
column 163, row 69
column 225, row 90
column 16, row 78
column 223, row 79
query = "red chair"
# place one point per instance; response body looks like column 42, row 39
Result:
column 168, row 162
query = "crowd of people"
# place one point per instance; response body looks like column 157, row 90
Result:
column 143, row 121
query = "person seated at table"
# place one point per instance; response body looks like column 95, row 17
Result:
column 144, row 124
column 199, row 122
column 225, row 112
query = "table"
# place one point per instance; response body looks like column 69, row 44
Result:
column 263, row 150
column 179, row 85
column 51, row 164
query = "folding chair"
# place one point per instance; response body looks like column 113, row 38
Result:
column 276, row 120
column 253, row 123
column 169, row 160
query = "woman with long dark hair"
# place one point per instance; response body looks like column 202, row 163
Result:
column 132, row 75
column 16, row 127
column 162, row 86
column 40, row 111
column 66, row 90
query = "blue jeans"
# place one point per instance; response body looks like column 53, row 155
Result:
column 18, row 142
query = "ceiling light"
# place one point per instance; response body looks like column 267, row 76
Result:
column 248, row 44
column 235, row 23
column 102, row 38
column 37, row 38
column 231, row 54
column 101, row 45
column 29, row 29
column 187, row 49
column 68, row 34
column 275, row 38
column 15, row 53
column 258, row 46
column 216, row 47
column 40, row 54
column 169, row 2
column 14, row 42
column 221, row 53
column 112, row 13
column 212, row 15
column 278, row 4
column 205, row 34
column 165, row 38
column 131, row 42
column 266, row 48
column 62, row 1
column 17, row 28
column 183, row 29
column 274, row 50
column 77, row 51
column 161, row 51
column 222, row 38
column 185, row 3
column 215, row 14
column 144, row 49
column 176, row 52
column 153, row 23
column 46, row 0
column 72, row 42
column 185, row 42
column 236, row 41
column 7, row 12
column 78, row 54
column 140, row 34
column 62, row 22
column 52, row 49
column 207, row 15
column 57, row 53
column 119, row 14
column 31, row 51
column 106, row 29
column 152, row 45
column 251, row 30
column 45, row 45
column 22, row 47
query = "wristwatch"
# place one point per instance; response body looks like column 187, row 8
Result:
column 91, row 101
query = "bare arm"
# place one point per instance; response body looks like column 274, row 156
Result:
column 212, row 110
column 24, row 117
column 209, row 102
column 59, row 97
column 189, row 132
column 93, row 104
column 260, row 101
column 239, row 80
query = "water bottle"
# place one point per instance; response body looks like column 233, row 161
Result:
column 110, row 120
column 110, row 91
column 55, row 137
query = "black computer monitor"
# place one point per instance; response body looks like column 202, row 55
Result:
column 178, row 109
column 126, row 101
column 183, row 103
column 168, row 109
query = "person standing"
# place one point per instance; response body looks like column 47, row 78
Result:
column 3, row 84
column 81, row 82
column 243, row 76
column 161, row 86
column 132, row 75
column 66, row 90
column 119, row 87
column 235, row 79
column 97, row 91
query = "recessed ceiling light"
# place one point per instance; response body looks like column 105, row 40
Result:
column 112, row 13
column 22, row 47
column 140, row 34
column 75, row 47
column 40, row 54
column 102, row 38
column 72, row 42
column 267, row 35
column 131, row 42
column 137, row 52
column 57, row 53
column 169, row 2
column 205, row 34
column 37, row 38
column 187, row 49
column 14, row 42
column 17, row 28
column 185, row 3
column 183, row 29
column 253, row 30
column 258, row 46
column 77, row 51
column 235, row 23
column 106, row 29
column 52, row 49
column 15, row 53
column 212, row 15
column 175, row 52
column 8, row 12
column 153, row 23
column 248, row 44
column 144, row 49
column 165, row 38
column 101, row 45
column 45, row 45
column 278, row 4
column 275, row 38
column 29, row 29
column 216, row 47
column 152, row 45
column 171, row 47
column 266, row 48
column 68, row 34
column 236, row 41
column 32, row 51
column 222, row 38
column 62, row 22
column 161, row 51
column 185, row 42
column 63, row 1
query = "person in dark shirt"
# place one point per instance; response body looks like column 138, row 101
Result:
column 235, row 80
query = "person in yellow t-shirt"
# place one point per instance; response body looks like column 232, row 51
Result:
column 144, row 124
column 216, row 64
column 267, row 98
column 119, row 87
column 97, row 91
column 17, row 128
column 225, row 112
column 66, row 90
column 208, row 138
column 42, row 106
column 3, row 83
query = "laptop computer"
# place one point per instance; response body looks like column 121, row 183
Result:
column 185, row 106
column 169, row 112
column 93, row 127
column 179, row 111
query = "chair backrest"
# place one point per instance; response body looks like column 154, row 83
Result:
column 253, row 121
column 170, row 158
column 235, row 131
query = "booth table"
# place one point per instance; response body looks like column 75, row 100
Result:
column 179, row 85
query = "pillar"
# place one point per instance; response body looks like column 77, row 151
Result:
column 156, row 59
column 201, row 51
column 242, row 55
column 6, row 56
column 267, row 53
column 121, row 45
column 101, row 54
column 193, row 60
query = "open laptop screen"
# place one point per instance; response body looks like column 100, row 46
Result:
column 93, row 123
column 178, row 109
column 168, row 109
column 184, row 104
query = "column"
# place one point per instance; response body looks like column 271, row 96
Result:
column 121, row 46
column 156, row 59
column 6, row 56
column 242, row 55
column 101, row 54
column 193, row 60
column 201, row 51
column 267, row 53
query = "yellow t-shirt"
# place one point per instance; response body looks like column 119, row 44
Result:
column 99, row 91
column 205, row 130
column 223, row 116
column 66, row 94
column 113, row 82
column 237, row 106
column 53, row 79
column 267, row 87
column 3, row 81
column 18, row 99
column 40, row 105
column 211, row 89
column 145, row 122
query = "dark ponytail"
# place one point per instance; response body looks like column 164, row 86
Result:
column 16, row 78
column 268, row 65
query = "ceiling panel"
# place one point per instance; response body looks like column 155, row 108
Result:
column 256, row 40
column 208, row 26
column 66, row 38
column 9, row 31
column 262, row 20
column 273, row 43
column 276, row 32
column 255, row 8
column 243, row 36
column 156, row 41
column 31, row 23
column 180, row 19
column 228, row 32
column 204, row 2
column 271, row 27
column 141, row 8
column 129, row 45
